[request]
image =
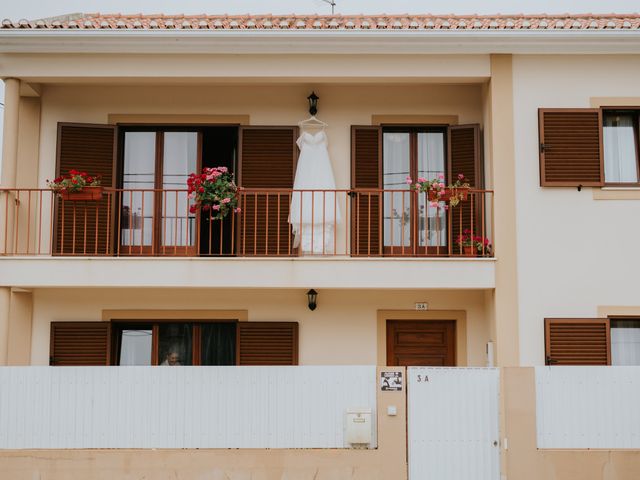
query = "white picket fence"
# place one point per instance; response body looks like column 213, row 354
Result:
column 588, row 407
column 181, row 407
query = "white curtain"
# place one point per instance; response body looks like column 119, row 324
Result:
column 620, row 164
column 430, row 165
column 625, row 343
column 397, row 205
column 135, row 347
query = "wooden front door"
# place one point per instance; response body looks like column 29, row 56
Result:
column 421, row 343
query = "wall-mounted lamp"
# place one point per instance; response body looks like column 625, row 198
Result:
column 312, row 295
column 313, row 103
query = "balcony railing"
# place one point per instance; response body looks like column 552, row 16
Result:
column 270, row 222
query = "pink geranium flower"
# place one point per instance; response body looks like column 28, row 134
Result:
column 214, row 191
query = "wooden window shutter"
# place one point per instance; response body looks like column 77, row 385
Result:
column 267, row 343
column 79, row 343
column 570, row 147
column 366, row 175
column 83, row 228
column 583, row 341
column 465, row 157
column 268, row 158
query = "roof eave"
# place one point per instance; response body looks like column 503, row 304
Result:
column 321, row 42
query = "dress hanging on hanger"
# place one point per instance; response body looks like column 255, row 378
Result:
column 314, row 212
column 312, row 121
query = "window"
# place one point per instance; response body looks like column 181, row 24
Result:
column 589, row 147
column 157, row 217
column 625, row 341
column 154, row 165
column 592, row 341
column 175, row 343
column 415, row 153
column 620, row 143
column 395, row 222
column 140, row 342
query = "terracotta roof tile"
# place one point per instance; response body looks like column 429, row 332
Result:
column 332, row 22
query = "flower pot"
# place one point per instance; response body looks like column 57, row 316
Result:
column 461, row 192
column 87, row 194
column 470, row 251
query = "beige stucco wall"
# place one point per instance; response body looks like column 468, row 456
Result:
column 525, row 462
column 28, row 142
column 575, row 252
column 501, row 146
column 341, row 331
column 340, row 106
column 233, row 67
column 18, row 339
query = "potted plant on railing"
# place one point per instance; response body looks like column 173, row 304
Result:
column 454, row 193
column 213, row 191
column 473, row 245
column 76, row 186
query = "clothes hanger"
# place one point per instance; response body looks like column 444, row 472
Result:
column 312, row 121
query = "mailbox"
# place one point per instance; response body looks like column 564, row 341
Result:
column 358, row 427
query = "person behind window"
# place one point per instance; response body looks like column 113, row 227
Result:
column 172, row 358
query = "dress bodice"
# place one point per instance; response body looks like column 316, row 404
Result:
column 312, row 139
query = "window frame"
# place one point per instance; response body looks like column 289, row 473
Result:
column 609, row 324
column 414, row 222
column 159, row 130
column 118, row 325
column 635, row 111
column 612, row 319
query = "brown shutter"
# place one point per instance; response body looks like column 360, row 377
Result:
column 366, row 176
column 583, row 341
column 570, row 147
column 83, row 228
column 79, row 343
column 267, row 343
column 465, row 157
column 267, row 161
column 465, row 154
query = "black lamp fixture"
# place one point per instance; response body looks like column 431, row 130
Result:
column 312, row 295
column 313, row 103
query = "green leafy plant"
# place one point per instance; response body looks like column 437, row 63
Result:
column 214, row 191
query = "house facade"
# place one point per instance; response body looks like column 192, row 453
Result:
column 539, row 114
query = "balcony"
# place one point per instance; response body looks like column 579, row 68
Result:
column 365, row 242
column 158, row 223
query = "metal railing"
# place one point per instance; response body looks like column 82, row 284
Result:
column 268, row 223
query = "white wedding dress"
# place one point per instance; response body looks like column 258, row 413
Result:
column 314, row 215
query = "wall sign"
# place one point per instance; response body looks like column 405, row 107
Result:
column 391, row 381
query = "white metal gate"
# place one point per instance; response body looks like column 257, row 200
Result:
column 453, row 423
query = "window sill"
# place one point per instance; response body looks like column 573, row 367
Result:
column 616, row 193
